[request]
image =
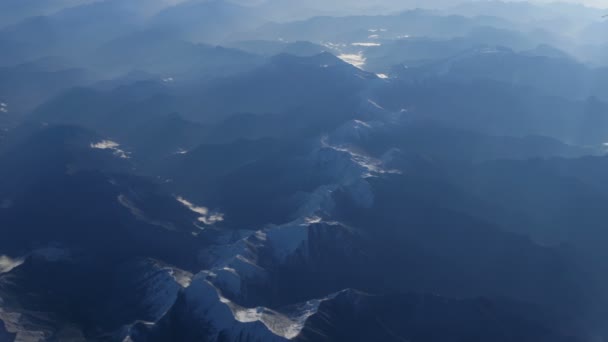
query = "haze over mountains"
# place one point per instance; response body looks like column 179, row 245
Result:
column 310, row 171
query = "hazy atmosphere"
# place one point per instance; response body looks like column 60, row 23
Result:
column 311, row 171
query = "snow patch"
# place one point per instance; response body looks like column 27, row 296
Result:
column 140, row 215
column 335, row 46
column 313, row 220
column 356, row 59
column 112, row 146
column 181, row 277
column 207, row 217
column 366, row 44
column 375, row 104
column 7, row 263
column 226, row 317
column 50, row 254
column 382, row 76
column 182, row 151
column 351, row 132
column 350, row 165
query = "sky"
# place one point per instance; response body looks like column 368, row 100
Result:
column 594, row 3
